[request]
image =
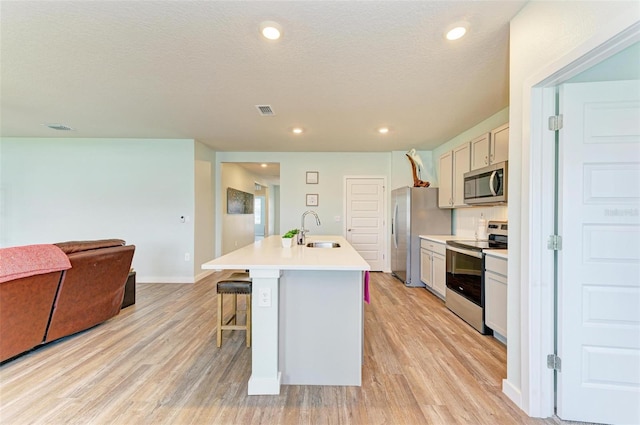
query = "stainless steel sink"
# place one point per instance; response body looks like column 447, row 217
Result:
column 323, row 244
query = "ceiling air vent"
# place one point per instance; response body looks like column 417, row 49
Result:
column 60, row 127
column 265, row 110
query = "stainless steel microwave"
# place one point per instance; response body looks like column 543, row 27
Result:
column 487, row 185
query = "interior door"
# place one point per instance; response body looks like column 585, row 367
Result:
column 599, row 262
column 365, row 218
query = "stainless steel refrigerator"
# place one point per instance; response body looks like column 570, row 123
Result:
column 415, row 212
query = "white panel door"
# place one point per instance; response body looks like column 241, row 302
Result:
column 365, row 219
column 599, row 263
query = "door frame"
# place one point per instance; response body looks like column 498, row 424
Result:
column 537, row 325
column 385, row 214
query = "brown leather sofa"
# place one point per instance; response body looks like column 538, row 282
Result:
column 67, row 302
column 91, row 291
column 25, row 308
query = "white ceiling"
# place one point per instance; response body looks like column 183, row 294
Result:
column 270, row 173
column 196, row 70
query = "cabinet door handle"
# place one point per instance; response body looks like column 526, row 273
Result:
column 486, row 160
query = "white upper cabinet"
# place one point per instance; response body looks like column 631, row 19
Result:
column 461, row 165
column 490, row 148
column 453, row 165
column 445, row 191
column 499, row 150
column 480, row 151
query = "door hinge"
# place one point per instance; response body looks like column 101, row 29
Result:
column 555, row 122
column 554, row 362
column 554, row 243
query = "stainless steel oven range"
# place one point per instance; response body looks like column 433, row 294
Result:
column 465, row 274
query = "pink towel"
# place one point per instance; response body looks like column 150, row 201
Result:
column 23, row 261
column 367, row 297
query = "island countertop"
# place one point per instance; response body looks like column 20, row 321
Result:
column 307, row 312
column 269, row 254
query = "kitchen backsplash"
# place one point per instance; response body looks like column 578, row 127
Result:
column 465, row 220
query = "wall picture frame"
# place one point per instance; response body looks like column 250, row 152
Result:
column 312, row 177
column 239, row 202
column 312, row 199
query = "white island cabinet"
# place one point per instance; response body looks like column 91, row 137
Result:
column 307, row 312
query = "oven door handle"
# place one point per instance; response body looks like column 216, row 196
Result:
column 465, row 251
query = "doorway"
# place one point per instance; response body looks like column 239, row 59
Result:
column 594, row 296
column 259, row 180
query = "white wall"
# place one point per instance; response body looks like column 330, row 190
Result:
column 204, row 220
column 545, row 36
column 57, row 190
column 332, row 167
column 237, row 230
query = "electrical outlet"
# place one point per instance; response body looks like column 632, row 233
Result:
column 264, row 297
column 336, row 218
column 187, row 257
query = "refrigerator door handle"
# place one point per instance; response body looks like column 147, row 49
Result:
column 393, row 225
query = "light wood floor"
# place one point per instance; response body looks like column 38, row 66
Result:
column 157, row 363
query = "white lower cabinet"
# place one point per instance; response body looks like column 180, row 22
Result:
column 495, row 287
column 432, row 266
column 439, row 274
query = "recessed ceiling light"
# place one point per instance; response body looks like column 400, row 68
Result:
column 457, row 32
column 383, row 130
column 263, row 165
column 298, row 130
column 270, row 30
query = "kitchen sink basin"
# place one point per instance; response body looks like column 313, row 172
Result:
column 323, row 244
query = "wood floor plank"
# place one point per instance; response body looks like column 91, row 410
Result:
column 157, row 363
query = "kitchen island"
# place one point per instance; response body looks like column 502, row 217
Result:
column 307, row 312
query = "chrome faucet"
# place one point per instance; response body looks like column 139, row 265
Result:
column 301, row 233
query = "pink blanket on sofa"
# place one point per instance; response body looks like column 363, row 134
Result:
column 23, row 261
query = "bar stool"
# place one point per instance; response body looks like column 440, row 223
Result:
column 237, row 283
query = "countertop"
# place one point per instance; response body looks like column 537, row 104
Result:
column 443, row 238
column 269, row 254
column 499, row 253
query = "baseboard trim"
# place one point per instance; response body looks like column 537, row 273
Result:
column 512, row 392
column 264, row 386
column 203, row 274
column 164, row 279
